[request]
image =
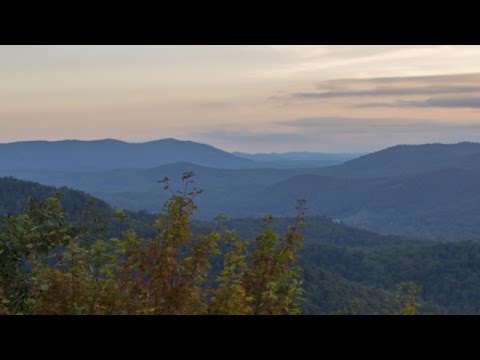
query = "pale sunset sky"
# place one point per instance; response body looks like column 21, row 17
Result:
column 243, row 98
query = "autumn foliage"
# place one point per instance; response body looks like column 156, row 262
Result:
column 51, row 266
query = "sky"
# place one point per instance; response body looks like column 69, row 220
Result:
column 251, row 98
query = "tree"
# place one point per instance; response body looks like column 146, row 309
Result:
column 26, row 239
column 274, row 279
column 407, row 297
column 50, row 266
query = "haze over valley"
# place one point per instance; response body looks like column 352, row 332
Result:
column 407, row 189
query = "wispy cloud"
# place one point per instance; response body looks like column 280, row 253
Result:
column 431, row 90
column 395, row 86
column 452, row 79
column 374, row 125
column 369, row 61
column 469, row 102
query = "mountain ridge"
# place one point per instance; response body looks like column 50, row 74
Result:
column 108, row 154
column 409, row 159
column 426, row 190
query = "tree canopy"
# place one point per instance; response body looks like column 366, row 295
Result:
column 50, row 265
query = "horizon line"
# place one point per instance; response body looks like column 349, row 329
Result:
column 133, row 142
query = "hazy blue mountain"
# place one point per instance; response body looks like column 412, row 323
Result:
column 137, row 189
column 427, row 190
column 298, row 159
column 393, row 161
column 439, row 204
column 410, row 159
column 74, row 155
column 15, row 194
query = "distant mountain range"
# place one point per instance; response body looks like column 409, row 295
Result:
column 443, row 203
column 423, row 190
column 98, row 155
column 410, row 159
column 75, row 155
column 298, row 159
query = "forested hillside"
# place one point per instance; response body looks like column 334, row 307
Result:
column 345, row 270
column 49, row 265
column 15, row 194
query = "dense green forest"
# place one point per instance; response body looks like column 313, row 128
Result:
column 344, row 267
column 448, row 276
column 340, row 270
column 14, row 195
